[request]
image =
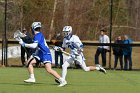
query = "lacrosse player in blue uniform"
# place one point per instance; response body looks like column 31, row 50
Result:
column 42, row 54
column 74, row 43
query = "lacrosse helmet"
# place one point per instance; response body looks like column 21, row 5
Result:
column 35, row 25
column 67, row 31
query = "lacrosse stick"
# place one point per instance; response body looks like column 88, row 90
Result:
column 57, row 48
column 17, row 36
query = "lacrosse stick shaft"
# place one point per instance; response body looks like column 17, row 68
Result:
column 66, row 53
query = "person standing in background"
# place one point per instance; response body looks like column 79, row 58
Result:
column 57, row 41
column 118, row 52
column 27, row 51
column 103, row 38
column 127, row 52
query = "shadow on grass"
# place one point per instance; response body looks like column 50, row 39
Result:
column 23, row 84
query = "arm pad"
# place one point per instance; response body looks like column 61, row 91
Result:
column 32, row 45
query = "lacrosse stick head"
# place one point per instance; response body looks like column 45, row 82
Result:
column 18, row 35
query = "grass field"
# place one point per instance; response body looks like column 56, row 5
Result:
column 11, row 81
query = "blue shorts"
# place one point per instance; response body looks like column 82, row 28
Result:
column 44, row 58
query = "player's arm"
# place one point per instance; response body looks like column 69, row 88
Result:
column 32, row 45
column 78, row 44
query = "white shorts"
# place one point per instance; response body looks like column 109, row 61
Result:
column 78, row 59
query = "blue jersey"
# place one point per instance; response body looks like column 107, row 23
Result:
column 44, row 54
column 39, row 38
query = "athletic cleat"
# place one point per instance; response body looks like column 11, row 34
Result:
column 57, row 81
column 63, row 83
column 102, row 69
column 30, row 80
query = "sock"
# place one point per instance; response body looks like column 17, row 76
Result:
column 64, row 70
column 32, row 76
column 61, row 79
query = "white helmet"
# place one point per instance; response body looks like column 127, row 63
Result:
column 36, row 25
column 67, row 31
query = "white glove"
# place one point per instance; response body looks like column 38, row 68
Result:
column 57, row 48
column 22, row 43
column 73, row 56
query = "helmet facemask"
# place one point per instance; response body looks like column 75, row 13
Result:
column 67, row 30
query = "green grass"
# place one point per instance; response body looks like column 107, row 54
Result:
column 11, row 81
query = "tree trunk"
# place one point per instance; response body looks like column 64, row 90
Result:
column 66, row 12
column 52, row 21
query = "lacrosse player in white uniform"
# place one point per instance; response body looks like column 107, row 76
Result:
column 74, row 43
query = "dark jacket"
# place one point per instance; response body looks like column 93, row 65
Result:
column 117, row 50
column 27, row 38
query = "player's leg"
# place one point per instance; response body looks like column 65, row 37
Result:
column 81, row 62
column 55, row 74
column 30, row 63
column 47, row 60
column 64, row 69
column 64, row 73
column 51, row 71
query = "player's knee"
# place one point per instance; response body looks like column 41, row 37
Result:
column 64, row 66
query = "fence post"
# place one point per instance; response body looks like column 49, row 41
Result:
column 111, row 5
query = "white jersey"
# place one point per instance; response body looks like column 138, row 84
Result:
column 76, row 46
column 74, row 43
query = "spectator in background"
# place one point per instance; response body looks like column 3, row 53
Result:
column 127, row 52
column 103, row 38
column 27, row 51
column 118, row 52
column 57, row 41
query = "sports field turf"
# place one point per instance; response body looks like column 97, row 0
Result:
column 11, row 81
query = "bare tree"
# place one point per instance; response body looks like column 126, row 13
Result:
column 66, row 11
column 52, row 21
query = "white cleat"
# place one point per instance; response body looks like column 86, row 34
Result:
column 63, row 83
column 30, row 80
